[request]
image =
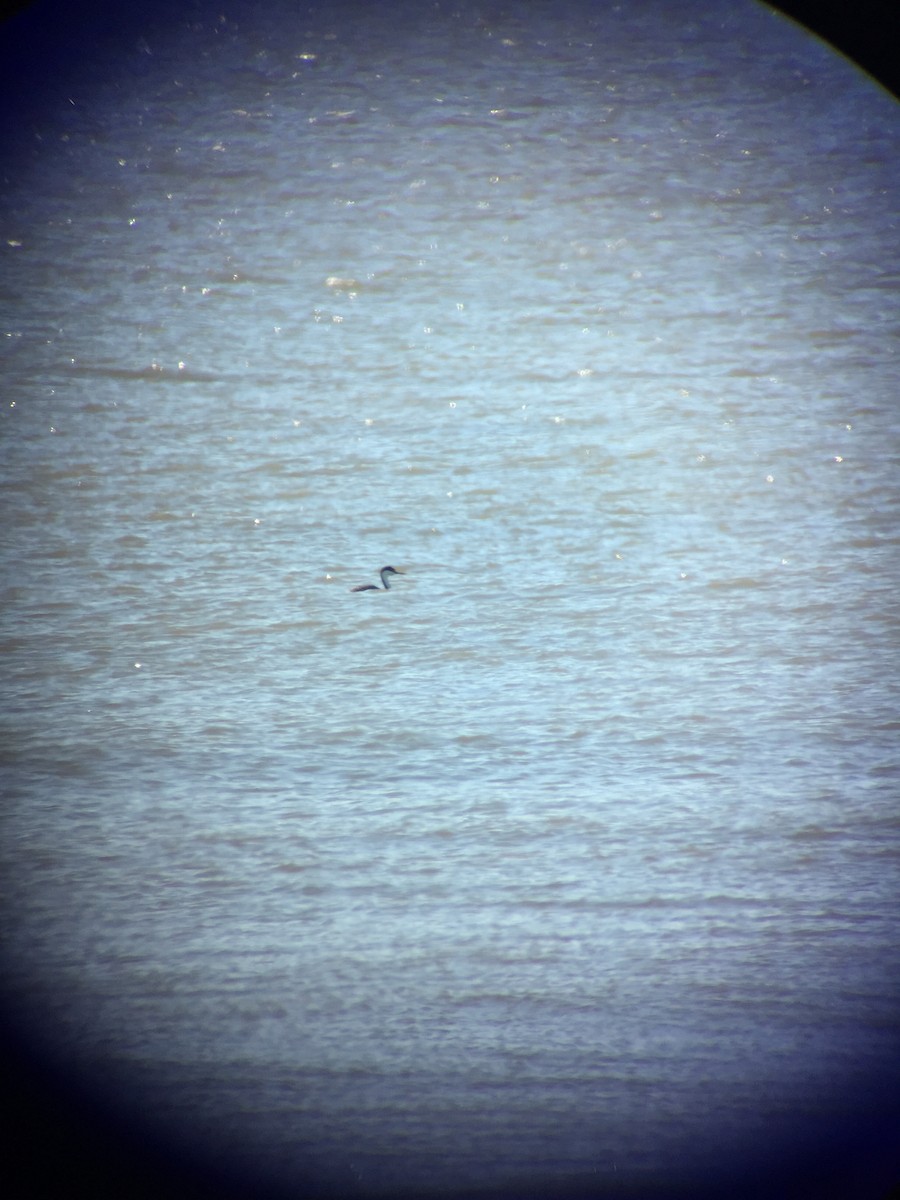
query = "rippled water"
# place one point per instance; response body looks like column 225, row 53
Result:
column 571, row 862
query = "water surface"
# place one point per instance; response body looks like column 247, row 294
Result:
column 571, row 862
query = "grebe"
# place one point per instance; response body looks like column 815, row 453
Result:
column 385, row 581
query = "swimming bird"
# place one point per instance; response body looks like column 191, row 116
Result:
column 385, row 581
